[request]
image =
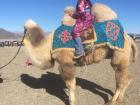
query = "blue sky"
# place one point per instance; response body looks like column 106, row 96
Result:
column 48, row 13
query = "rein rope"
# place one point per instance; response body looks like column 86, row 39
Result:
column 15, row 54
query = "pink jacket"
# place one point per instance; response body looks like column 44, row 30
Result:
column 83, row 17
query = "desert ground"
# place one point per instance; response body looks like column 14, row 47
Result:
column 24, row 85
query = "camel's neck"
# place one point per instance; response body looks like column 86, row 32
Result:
column 41, row 53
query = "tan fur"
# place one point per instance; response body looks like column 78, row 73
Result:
column 36, row 35
column 69, row 10
column 102, row 12
column 134, row 49
column 67, row 19
column 120, row 60
column 30, row 24
column 40, row 53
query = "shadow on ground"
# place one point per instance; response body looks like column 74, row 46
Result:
column 55, row 86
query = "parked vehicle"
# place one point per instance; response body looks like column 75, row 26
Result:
column 135, row 36
column 10, row 43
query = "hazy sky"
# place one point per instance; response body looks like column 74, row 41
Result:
column 48, row 13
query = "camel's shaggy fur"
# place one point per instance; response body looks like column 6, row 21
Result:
column 40, row 53
column 30, row 24
column 69, row 10
column 36, row 45
column 67, row 20
column 102, row 12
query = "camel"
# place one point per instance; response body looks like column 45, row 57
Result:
column 39, row 48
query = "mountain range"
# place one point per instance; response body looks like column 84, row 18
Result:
column 4, row 34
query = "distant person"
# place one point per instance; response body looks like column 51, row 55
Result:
column 84, row 20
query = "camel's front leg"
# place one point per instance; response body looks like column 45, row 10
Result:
column 67, row 72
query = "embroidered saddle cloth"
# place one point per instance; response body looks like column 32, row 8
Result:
column 109, row 33
column 63, row 38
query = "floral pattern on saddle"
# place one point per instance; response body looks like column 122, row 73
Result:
column 110, row 32
column 63, row 37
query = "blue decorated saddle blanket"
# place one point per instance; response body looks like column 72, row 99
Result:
column 109, row 32
column 63, row 37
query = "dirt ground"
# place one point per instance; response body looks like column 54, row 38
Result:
column 32, row 86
